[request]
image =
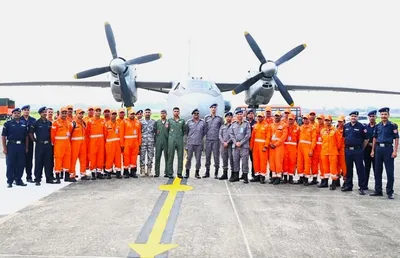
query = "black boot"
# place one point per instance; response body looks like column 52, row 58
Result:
column 197, row 174
column 314, row 181
column 118, row 175
column 71, row 178
column 291, row 180
column 216, row 173
column 305, row 181
column 245, row 179
column 338, row 182
column 108, row 175
column 187, row 173
column 285, row 181
column 58, row 179
column 262, row 180
column 66, row 178
column 207, row 174
column 333, row 185
column 133, row 172
column 234, row 177
column 224, row 175
column 62, row 175
column 324, row 183
column 277, row 181
column 85, row 177
column 271, row 180
column 93, row 175
column 255, row 179
column 300, row 181
column 100, row 175
column 126, row 173
column 241, row 177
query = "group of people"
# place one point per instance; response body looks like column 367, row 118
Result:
column 110, row 144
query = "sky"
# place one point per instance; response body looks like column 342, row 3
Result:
column 349, row 43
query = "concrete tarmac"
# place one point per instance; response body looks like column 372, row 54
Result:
column 102, row 218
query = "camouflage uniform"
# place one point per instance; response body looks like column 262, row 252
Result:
column 212, row 142
column 240, row 132
column 195, row 132
column 148, row 139
column 161, row 144
column 226, row 153
column 175, row 142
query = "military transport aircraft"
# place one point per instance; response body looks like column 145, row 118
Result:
column 193, row 92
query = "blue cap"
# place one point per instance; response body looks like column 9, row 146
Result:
column 353, row 113
column 16, row 110
column 372, row 113
column 384, row 109
column 26, row 107
column 250, row 111
column 41, row 109
column 214, row 105
column 228, row 114
column 195, row 110
column 239, row 111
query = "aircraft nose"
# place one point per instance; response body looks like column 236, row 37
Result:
column 201, row 101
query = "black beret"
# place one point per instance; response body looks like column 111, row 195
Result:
column 214, row 105
column 372, row 113
column 41, row 109
column 239, row 111
column 353, row 113
column 26, row 107
column 228, row 114
column 195, row 110
column 384, row 109
column 16, row 110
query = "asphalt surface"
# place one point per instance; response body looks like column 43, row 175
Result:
column 215, row 219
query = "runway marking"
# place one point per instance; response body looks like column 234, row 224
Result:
column 155, row 244
column 240, row 222
column 57, row 256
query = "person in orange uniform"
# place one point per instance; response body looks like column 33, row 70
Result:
column 331, row 143
column 60, row 138
column 342, row 170
column 312, row 116
column 131, row 139
column 70, row 116
column 307, row 143
column 86, row 119
column 277, row 148
column 316, row 158
column 96, row 131
column 78, row 145
column 259, row 142
column 107, row 115
column 290, row 152
column 268, row 115
column 113, row 146
column 121, row 115
column 285, row 117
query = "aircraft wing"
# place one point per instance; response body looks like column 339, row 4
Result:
column 162, row 87
column 336, row 88
column 223, row 87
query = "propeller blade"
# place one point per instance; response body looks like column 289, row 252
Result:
column 144, row 59
column 92, row 72
column 125, row 92
column 289, row 55
column 247, row 84
column 256, row 49
column 282, row 89
column 111, row 39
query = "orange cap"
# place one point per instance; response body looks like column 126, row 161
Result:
column 260, row 114
column 131, row 112
column 106, row 109
column 277, row 113
column 328, row 117
column 287, row 110
column 321, row 116
column 70, row 107
column 78, row 111
column 90, row 107
column 341, row 118
column 121, row 110
column 113, row 112
column 63, row 109
column 291, row 116
column 306, row 116
column 268, row 108
column 312, row 112
column 97, row 108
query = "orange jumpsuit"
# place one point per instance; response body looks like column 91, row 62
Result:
column 290, row 153
column 307, row 143
column 331, row 143
column 342, row 169
column 113, row 146
column 260, row 138
column 78, row 147
column 269, row 120
column 96, row 131
column 131, row 139
column 87, row 140
column 278, row 137
column 315, row 161
column 60, row 137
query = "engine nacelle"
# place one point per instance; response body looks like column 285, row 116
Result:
column 130, row 77
column 228, row 106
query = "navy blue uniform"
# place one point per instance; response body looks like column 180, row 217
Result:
column 29, row 155
column 354, row 137
column 368, row 160
column 15, row 133
column 43, row 149
column 384, row 135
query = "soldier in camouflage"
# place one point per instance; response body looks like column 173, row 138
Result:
column 175, row 142
column 226, row 146
column 148, row 139
column 214, row 123
column 162, row 126
column 195, row 129
column 240, row 136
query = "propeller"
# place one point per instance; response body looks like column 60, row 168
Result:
column 117, row 66
column 268, row 69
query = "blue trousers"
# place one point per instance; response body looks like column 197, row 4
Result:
column 383, row 155
column 43, row 159
column 28, row 161
column 15, row 162
column 355, row 156
column 369, row 163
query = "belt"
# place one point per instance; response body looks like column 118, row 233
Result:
column 383, row 144
column 16, row 142
column 43, row 142
column 353, row 147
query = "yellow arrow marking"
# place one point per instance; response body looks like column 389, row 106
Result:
column 153, row 246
